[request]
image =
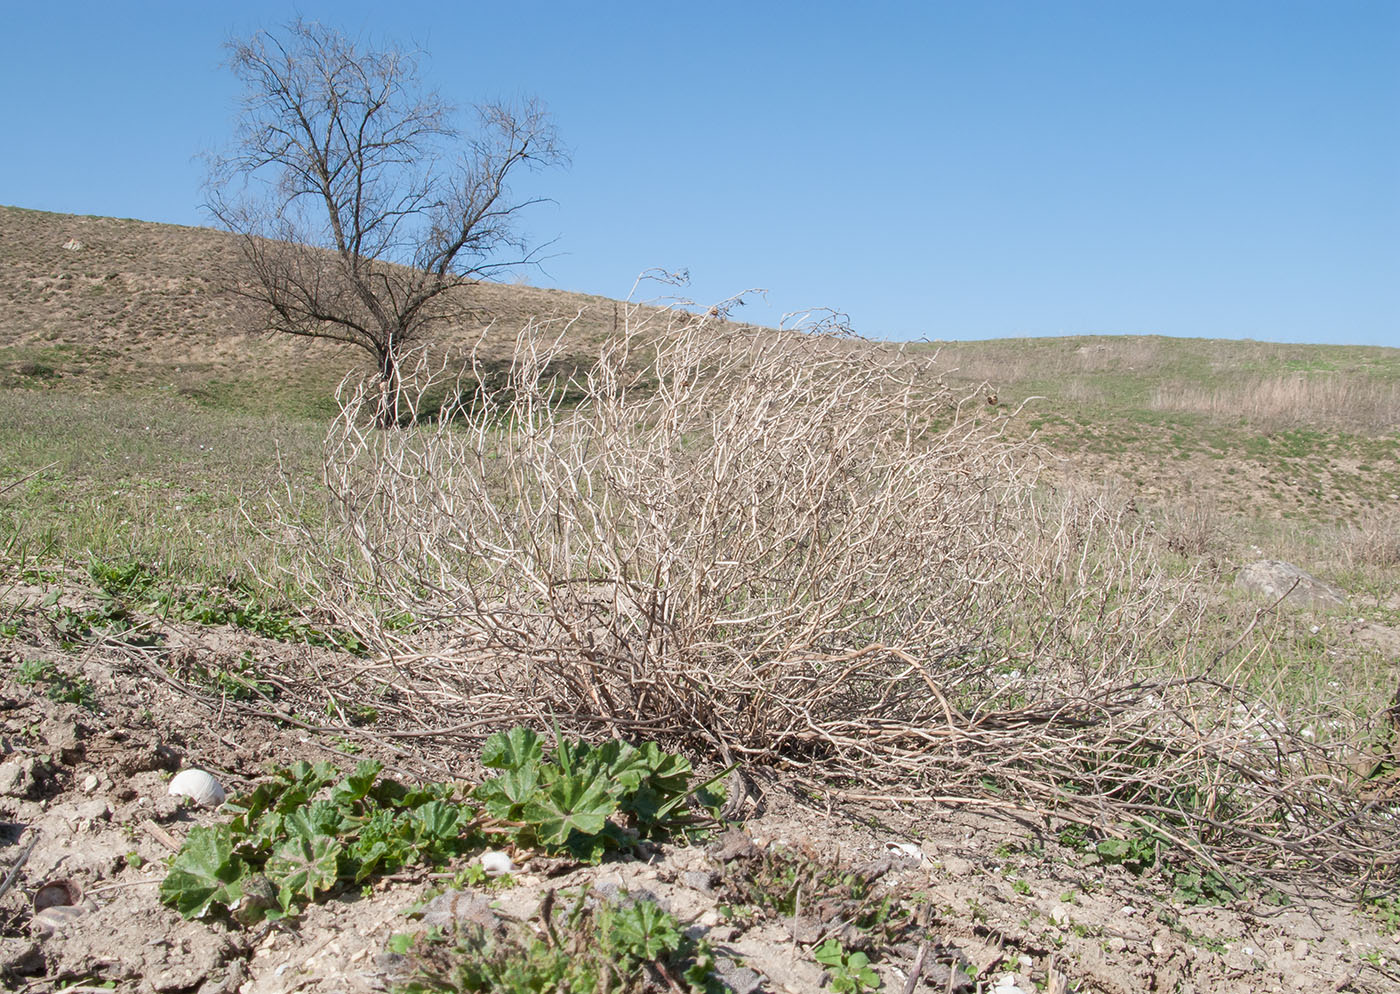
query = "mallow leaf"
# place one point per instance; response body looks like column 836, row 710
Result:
column 504, row 796
column 357, row 785
column 572, row 804
column 300, row 867
column 205, row 872
column 513, row 750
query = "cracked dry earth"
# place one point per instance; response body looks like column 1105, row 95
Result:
column 1003, row 905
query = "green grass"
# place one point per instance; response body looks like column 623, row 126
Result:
column 156, row 478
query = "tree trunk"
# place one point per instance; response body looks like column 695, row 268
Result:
column 389, row 388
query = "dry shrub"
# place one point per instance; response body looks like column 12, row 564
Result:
column 1372, row 540
column 794, row 548
column 1191, row 527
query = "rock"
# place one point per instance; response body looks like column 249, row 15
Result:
column 92, row 810
column 739, row 979
column 453, row 906
column 1011, row 983
column 732, row 845
column 231, row 982
column 956, row 866
column 942, row 977
column 20, row 777
column 806, row 929
column 65, row 741
column 701, row 880
column 55, row 919
column 1271, row 579
column 73, row 245
column 20, row 956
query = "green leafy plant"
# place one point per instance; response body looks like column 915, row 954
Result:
column 850, row 972
column 287, row 845
column 1136, row 853
column 1073, row 836
column 1204, row 886
column 308, row 832
column 1385, row 909
column 591, row 945
column 1191, row 883
column 587, row 799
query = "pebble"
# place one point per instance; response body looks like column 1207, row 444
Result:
column 956, row 866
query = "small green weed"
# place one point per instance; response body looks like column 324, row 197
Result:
column 1204, row 886
column 1191, row 883
column 133, row 585
column 594, row 946
column 850, row 972
column 1385, row 910
column 58, row 686
column 1136, row 853
column 1074, row 836
column 238, row 681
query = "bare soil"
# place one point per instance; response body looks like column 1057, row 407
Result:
column 83, row 793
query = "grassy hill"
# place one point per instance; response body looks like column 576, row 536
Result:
column 114, row 332
column 135, row 306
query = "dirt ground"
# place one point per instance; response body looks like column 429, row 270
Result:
column 83, row 800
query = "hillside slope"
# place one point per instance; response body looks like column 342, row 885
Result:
column 1309, row 433
column 120, row 303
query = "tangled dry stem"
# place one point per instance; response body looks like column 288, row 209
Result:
column 799, row 550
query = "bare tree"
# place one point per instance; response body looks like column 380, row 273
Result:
column 360, row 202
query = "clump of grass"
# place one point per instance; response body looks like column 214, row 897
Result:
column 36, row 370
column 1292, row 400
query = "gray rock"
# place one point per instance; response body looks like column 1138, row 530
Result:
column 65, row 739
column 1271, row 579
column 732, row 845
column 21, row 956
column 20, row 776
column 455, row 906
column 739, row 979
column 701, row 880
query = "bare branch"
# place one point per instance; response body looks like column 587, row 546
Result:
column 361, row 204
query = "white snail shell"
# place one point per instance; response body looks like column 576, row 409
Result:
column 496, row 863
column 203, row 789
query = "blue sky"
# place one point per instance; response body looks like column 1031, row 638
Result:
column 945, row 170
